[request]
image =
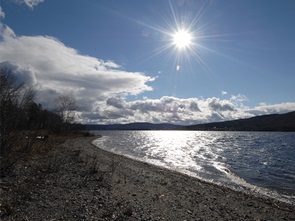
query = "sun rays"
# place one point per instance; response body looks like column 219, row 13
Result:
column 182, row 39
column 181, row 35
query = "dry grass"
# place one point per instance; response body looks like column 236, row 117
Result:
column 25, row 149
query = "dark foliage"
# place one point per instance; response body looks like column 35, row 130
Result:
column 24, row 123
column 19, row 112
column 133, row 126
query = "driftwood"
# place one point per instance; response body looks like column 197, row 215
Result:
column 43, row 138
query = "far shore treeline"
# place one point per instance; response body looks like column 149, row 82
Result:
column 272, row 122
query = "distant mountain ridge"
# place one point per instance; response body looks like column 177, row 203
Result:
column 134, row 126
column 272, row 122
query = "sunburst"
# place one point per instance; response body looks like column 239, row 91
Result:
column 182, row 39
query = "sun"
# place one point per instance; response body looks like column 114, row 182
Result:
column 182, row 39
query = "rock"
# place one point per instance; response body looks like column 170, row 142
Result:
column 128, row 212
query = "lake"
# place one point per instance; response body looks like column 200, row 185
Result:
column 260, row 163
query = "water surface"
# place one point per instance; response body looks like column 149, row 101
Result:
column 260, row 162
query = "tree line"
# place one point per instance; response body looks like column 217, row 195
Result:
column 20, row 112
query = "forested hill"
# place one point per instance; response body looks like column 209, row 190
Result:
column 134, row 126
column 273, row 122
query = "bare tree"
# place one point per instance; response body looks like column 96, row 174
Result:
column 9, row 106
column 66, row 106
column 15, row 100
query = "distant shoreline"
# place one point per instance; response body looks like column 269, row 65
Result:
column 267, row 123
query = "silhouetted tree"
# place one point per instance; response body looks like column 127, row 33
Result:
column 10, row 102
column 19, row 113
column 52, row 121
column 66, row 106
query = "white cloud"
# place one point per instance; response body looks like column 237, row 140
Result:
column 116, row 102
column 21, row 75
column 216, row 104
column 5, row 32
column 2, row 14
column 224, row 93
column 30, row 3
column 58, row 69
column 239, row 98
column 272, row 108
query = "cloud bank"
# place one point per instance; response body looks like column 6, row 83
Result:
column 175, row 110
column 57, row 69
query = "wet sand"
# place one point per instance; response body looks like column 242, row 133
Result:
column 78, row 181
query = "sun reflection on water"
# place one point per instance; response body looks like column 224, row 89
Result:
column 175, row 148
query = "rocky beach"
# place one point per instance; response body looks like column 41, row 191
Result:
column 75, row 180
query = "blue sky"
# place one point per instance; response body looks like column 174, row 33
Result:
column 120, row 60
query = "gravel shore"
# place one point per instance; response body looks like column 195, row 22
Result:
column 78, row 181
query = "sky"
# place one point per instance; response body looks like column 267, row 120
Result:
column 179, row 61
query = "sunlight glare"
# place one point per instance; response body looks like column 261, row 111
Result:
column 182, row 39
